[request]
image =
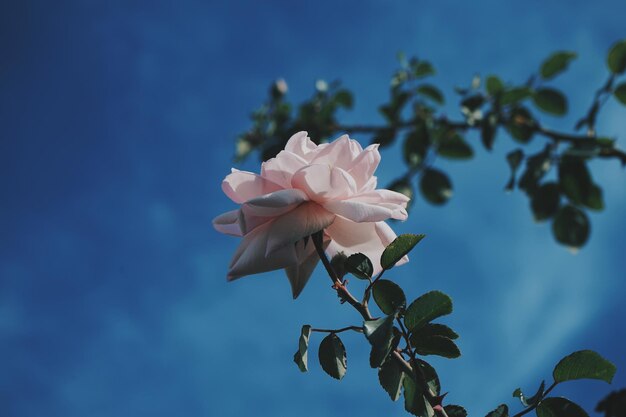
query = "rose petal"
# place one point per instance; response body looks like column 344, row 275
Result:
column 303, row 221
column 301, row 145
column 323, row 182
column 340, row 153
column 300, row 273
column 364, row 166
column 359, row 211
column 281, row 168
column 241, row 186
column 276, row 203
column 228, row 223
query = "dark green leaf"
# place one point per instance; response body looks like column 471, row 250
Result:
column 521, row 125
column 422, row 69
column 501, row 411
column 537, row 166
column 414, row 401
column 452, row 145
column 380, row 335
column 427, row 308
column 359, row 265
column 390, row 377
column 434, row 329
column 402, row 186
column 616, row 59
column 545, row 201
column 515, row 95
column 473, row 102
column 300, row 357
column 431, row 92
column 532, row 400
column 344, row 98
column 385, row 137
column 514, row 159
column 430, row 376
column 416, row 145
column 436, row 345
column 388, row 296
column 435, row 186
column 576, row 183
column 614, row 404
column 556, row 63
column 332, row 356
column 494, row 85
column 455, row 411
column 620, row 93
column 584, row 364
column 397, row 249
column 571, row 226
column 488, row 130
column 550, row 101
column 559, row 407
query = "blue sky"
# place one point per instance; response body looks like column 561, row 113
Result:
column 117, row 126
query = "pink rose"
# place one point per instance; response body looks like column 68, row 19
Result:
column 304, row 189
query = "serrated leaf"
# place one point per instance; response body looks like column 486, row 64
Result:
column 556, row 63
column 390, row 377
column 431, row 92
column 435, row 186
column 584, row 364
column 434, row 329
column 550, row 101
column 359, row 265
column 301, row 356
column 414, row 401
column 430, row 376
column 380, row 335
column 559, row 407
column 332, row 356
column 501, row 411
column 494, row 85
column 620, row 93
column 545, row 201
column 397, row 249
column 437, row 345
column 426, row 308
column 455, row 411
column 616, row 60
column 571, row 227
column 388, row 295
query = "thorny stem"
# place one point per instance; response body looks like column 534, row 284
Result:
column 345, row 295
column 343, row 329
column 532, row 407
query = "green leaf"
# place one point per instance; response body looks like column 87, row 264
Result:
column 501, row 411
column 388, row 295
column 571, row 226
column 620, row 93
column 494, row 85
column 616, row 60
column 390, row 377
column 344, row 98
column 537, row 166
column 515, row 95
column 545, row 201
column 550, row 101
column 416, row 144
column 380, row 335
column 398, row 248
column 422, row 69
column 521, row 125
column 455, row 411
column 514, row 159
column 414, row 401
column 614, row 404
column 359, row 265
column 431, row 92
column 435, row 186
column 576, row 183
column 473, row 102
column 526, row 402
column 556, row 63
column 488, row 130
column 300, row 357
column 584, row 364
column 430, row 376
column 332, row 356
column 559, row 407
column 452, row 146
column 437, row 345
column 434, row 329
column 426, row 308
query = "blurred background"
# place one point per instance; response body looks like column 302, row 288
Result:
column 117, row 125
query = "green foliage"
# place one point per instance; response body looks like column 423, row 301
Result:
column 390, row 377
column 436, row 345
column 416, row 144
column 514, row 159
column 501, row 411
column 431, row 92
column 301, row 356
column 620, row 93
column 494, row 85
column 616, row 60
column 332, row 356
column 435, row 186
column 359, row 265
column 388, row 295
column 584, row 364
column 550, row 101
column 521, row 125
column 435, row 329
column 380, row 334
column 430, row 376
column 397, row 249
column 515, row 95
column 452, row 145
column 571, row 226
column 414, row 401
column 455, row 411
column 545, row 201
column 530, row 401
column 559, row 407
column 614, row 404
column 576, row 183
column 556, row 63
column 488, row 130
column 426, row 308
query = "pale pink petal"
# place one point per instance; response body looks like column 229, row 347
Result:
column 359, row 211
column 323, row 182
column 364, row 166
column 228, row 223
column 301, row 145
column 276, row 203
column 250, row 256
column 241, row 186
column 341, row 153
column 370, row 239
column 300, row 273
column 281, row 168
column 303, row 221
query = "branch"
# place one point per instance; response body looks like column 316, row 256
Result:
column 343, row 329
column 532, row 407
